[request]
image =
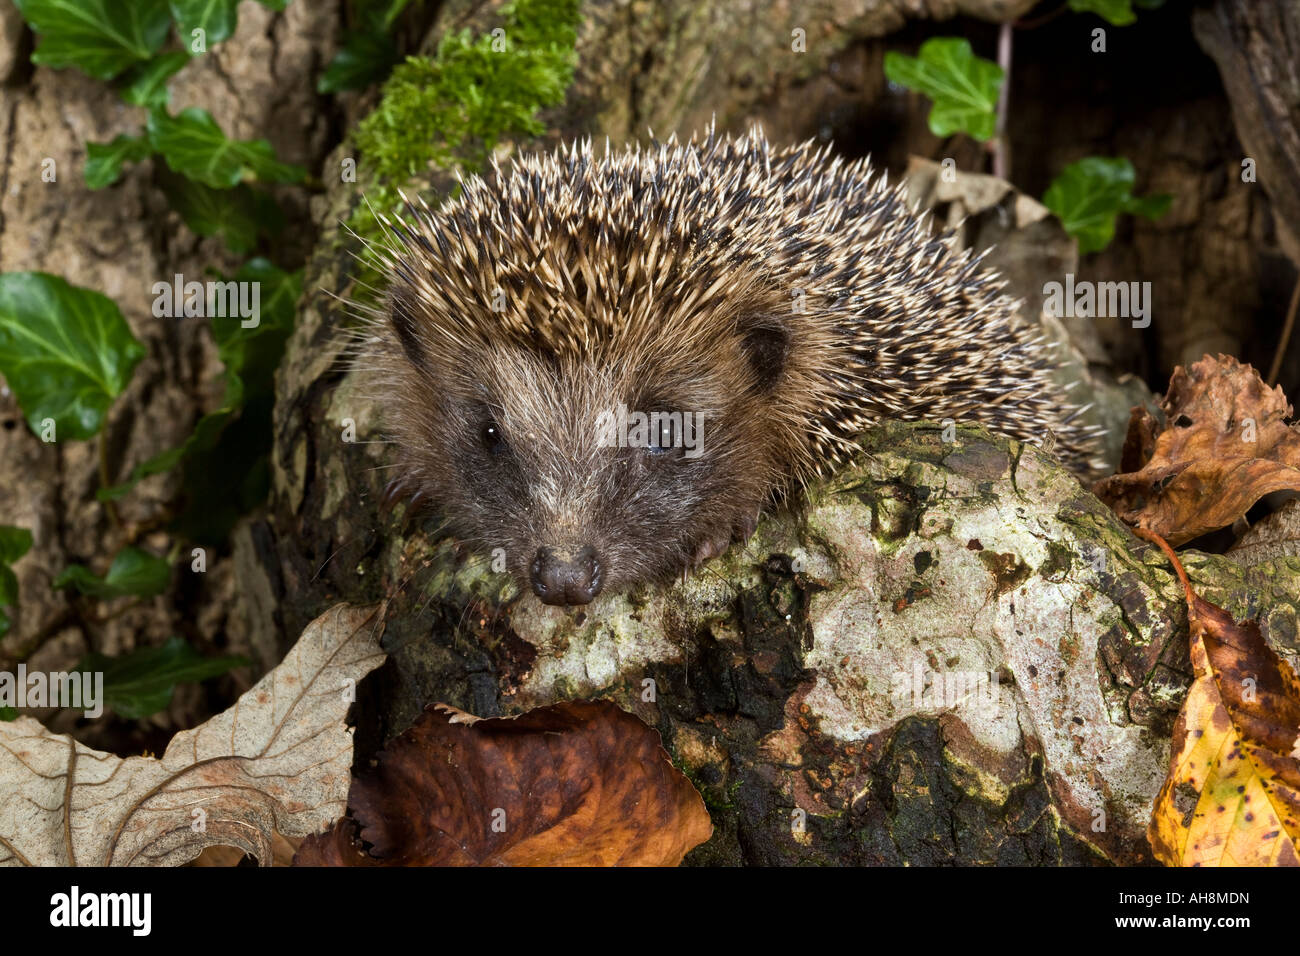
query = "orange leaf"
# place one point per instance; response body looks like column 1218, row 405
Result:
column 1226, row 443
column 581, row 783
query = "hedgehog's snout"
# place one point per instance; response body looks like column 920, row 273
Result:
column 560, row 577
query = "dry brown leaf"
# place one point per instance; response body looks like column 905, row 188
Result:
column 1226, row 443
column 1232, row 797
column 338, row 846
column 581, row 783
column 282, row 853
column 279, row 760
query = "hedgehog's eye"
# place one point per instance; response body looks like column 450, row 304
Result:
column 491, row 438
column 667, row 436
column 662, row 439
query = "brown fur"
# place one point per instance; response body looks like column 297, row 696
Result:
column 669, row 279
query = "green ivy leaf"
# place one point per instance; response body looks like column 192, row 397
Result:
column 193, row 145
column 206, row 435
column 14, row 543
column 142, row 682
column 276, row 5
column 146, row 84
column 132, row 572
column 104, row 161
column 99, row 37
column 255, row 350
column 216, row 18
column 1090, row 194
column 964, row 87
column 368, row 53
column 227, row 470
column 1148, row 207
column 8, row 593
column 1118, row 13
column 65, row 351
column 238, row 215
column 366, row 57
column 278, row 293
column 157, row 465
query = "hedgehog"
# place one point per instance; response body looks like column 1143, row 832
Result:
column 608, row 366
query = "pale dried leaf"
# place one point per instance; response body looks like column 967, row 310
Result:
column 279, row 760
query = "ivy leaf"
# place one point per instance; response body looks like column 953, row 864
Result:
column 146, row 84
column 132, row 572
column 366, row 57
column 253, row 351
column 205, row 437
column 216, row 18
column 238, row 215
column 142, row 682
column 1148, row 207
column 227, row 470
column 104, row 161
column 1118, row 13
column 65, row 351
column 8, row 594
column 368, row 53
column 193, row 145
column 14, row 543
column 278, row 293
column 276, row 5
column 157, row 465
column 964, row 87
column 1090, row 194
column 98, row 37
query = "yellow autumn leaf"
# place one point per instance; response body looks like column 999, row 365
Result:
column 1232, row 797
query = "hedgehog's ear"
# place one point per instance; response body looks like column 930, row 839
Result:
column 403, row 321
column 765, row 340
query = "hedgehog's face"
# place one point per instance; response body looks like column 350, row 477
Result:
column 592, row 476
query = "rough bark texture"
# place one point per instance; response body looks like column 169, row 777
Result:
column 1257, row 49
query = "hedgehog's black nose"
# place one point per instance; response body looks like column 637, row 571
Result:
column 561, row 578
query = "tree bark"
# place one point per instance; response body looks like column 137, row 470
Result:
column 1257, row 49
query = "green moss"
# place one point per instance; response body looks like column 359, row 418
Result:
column 454, row 108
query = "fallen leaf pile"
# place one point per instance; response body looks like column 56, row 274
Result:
column 1232, row 797
column 1224, row 445
column 577, row 783
column 279, row 760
